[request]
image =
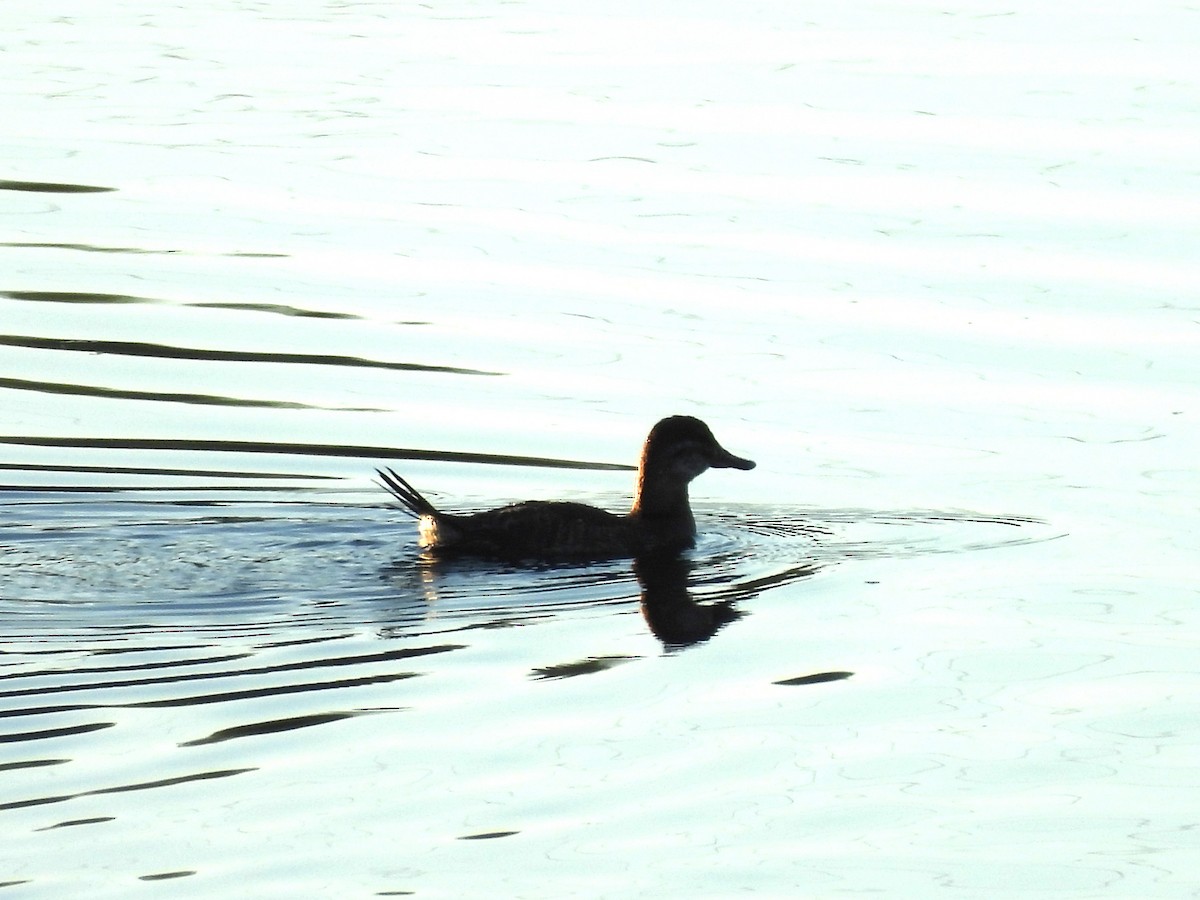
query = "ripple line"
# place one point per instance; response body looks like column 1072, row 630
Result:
column 134, row 667
column 94, row 820
column 273, row 691
column 120, row 789
column 106, row 393
column 273, row 726
column 50, row 187
column 116, row 299
column 46, row 733
column 169, row 351
column 389, row 656
column 152, row 470
column 359, row 451
column 31, row 764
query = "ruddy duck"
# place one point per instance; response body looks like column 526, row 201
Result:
column 677, row 450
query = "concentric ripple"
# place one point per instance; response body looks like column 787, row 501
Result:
column 228, row 565
column 230, row 619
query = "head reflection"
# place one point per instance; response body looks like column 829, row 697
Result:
column 668, row 608
column 501, row 593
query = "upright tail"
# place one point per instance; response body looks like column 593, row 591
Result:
column 411, row 500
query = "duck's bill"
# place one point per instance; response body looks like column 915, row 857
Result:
column 723, row 459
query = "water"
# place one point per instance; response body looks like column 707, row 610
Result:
column 933, row 269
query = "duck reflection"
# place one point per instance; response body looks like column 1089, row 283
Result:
column 473, row 593
column 673, row 615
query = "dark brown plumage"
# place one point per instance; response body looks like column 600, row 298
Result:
column 677, row 449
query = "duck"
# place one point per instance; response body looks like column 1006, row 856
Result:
column 660, row 520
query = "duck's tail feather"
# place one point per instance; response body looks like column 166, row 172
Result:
column 411, row 500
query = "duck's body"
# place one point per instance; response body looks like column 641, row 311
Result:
column 660, row 521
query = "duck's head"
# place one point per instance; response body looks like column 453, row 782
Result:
column 681, row 447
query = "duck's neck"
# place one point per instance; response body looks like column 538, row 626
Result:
column 662, row 505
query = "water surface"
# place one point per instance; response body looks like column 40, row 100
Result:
column 932, row 269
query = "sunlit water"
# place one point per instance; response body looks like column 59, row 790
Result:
column 932, row 268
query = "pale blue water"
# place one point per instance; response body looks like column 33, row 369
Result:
column 933, row 268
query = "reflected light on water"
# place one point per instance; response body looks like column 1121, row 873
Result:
column 932, row 268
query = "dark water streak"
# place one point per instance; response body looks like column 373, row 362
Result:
column 167, row 351
column 50, row 187
column 139, row 251
column 91, row 297
column 125, row 788
column 359, row 451
column 151, row 470
column 106, row 393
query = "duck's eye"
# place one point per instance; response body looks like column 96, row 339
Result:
column 689, row 448
column 689, row 458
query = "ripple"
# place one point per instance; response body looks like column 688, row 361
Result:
column 828, row 536
column 50, row 187
column 272, row 726
column 124, row 788
column 209, row 354
column 248, row 567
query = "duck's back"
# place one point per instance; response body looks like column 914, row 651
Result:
column 535, row 529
